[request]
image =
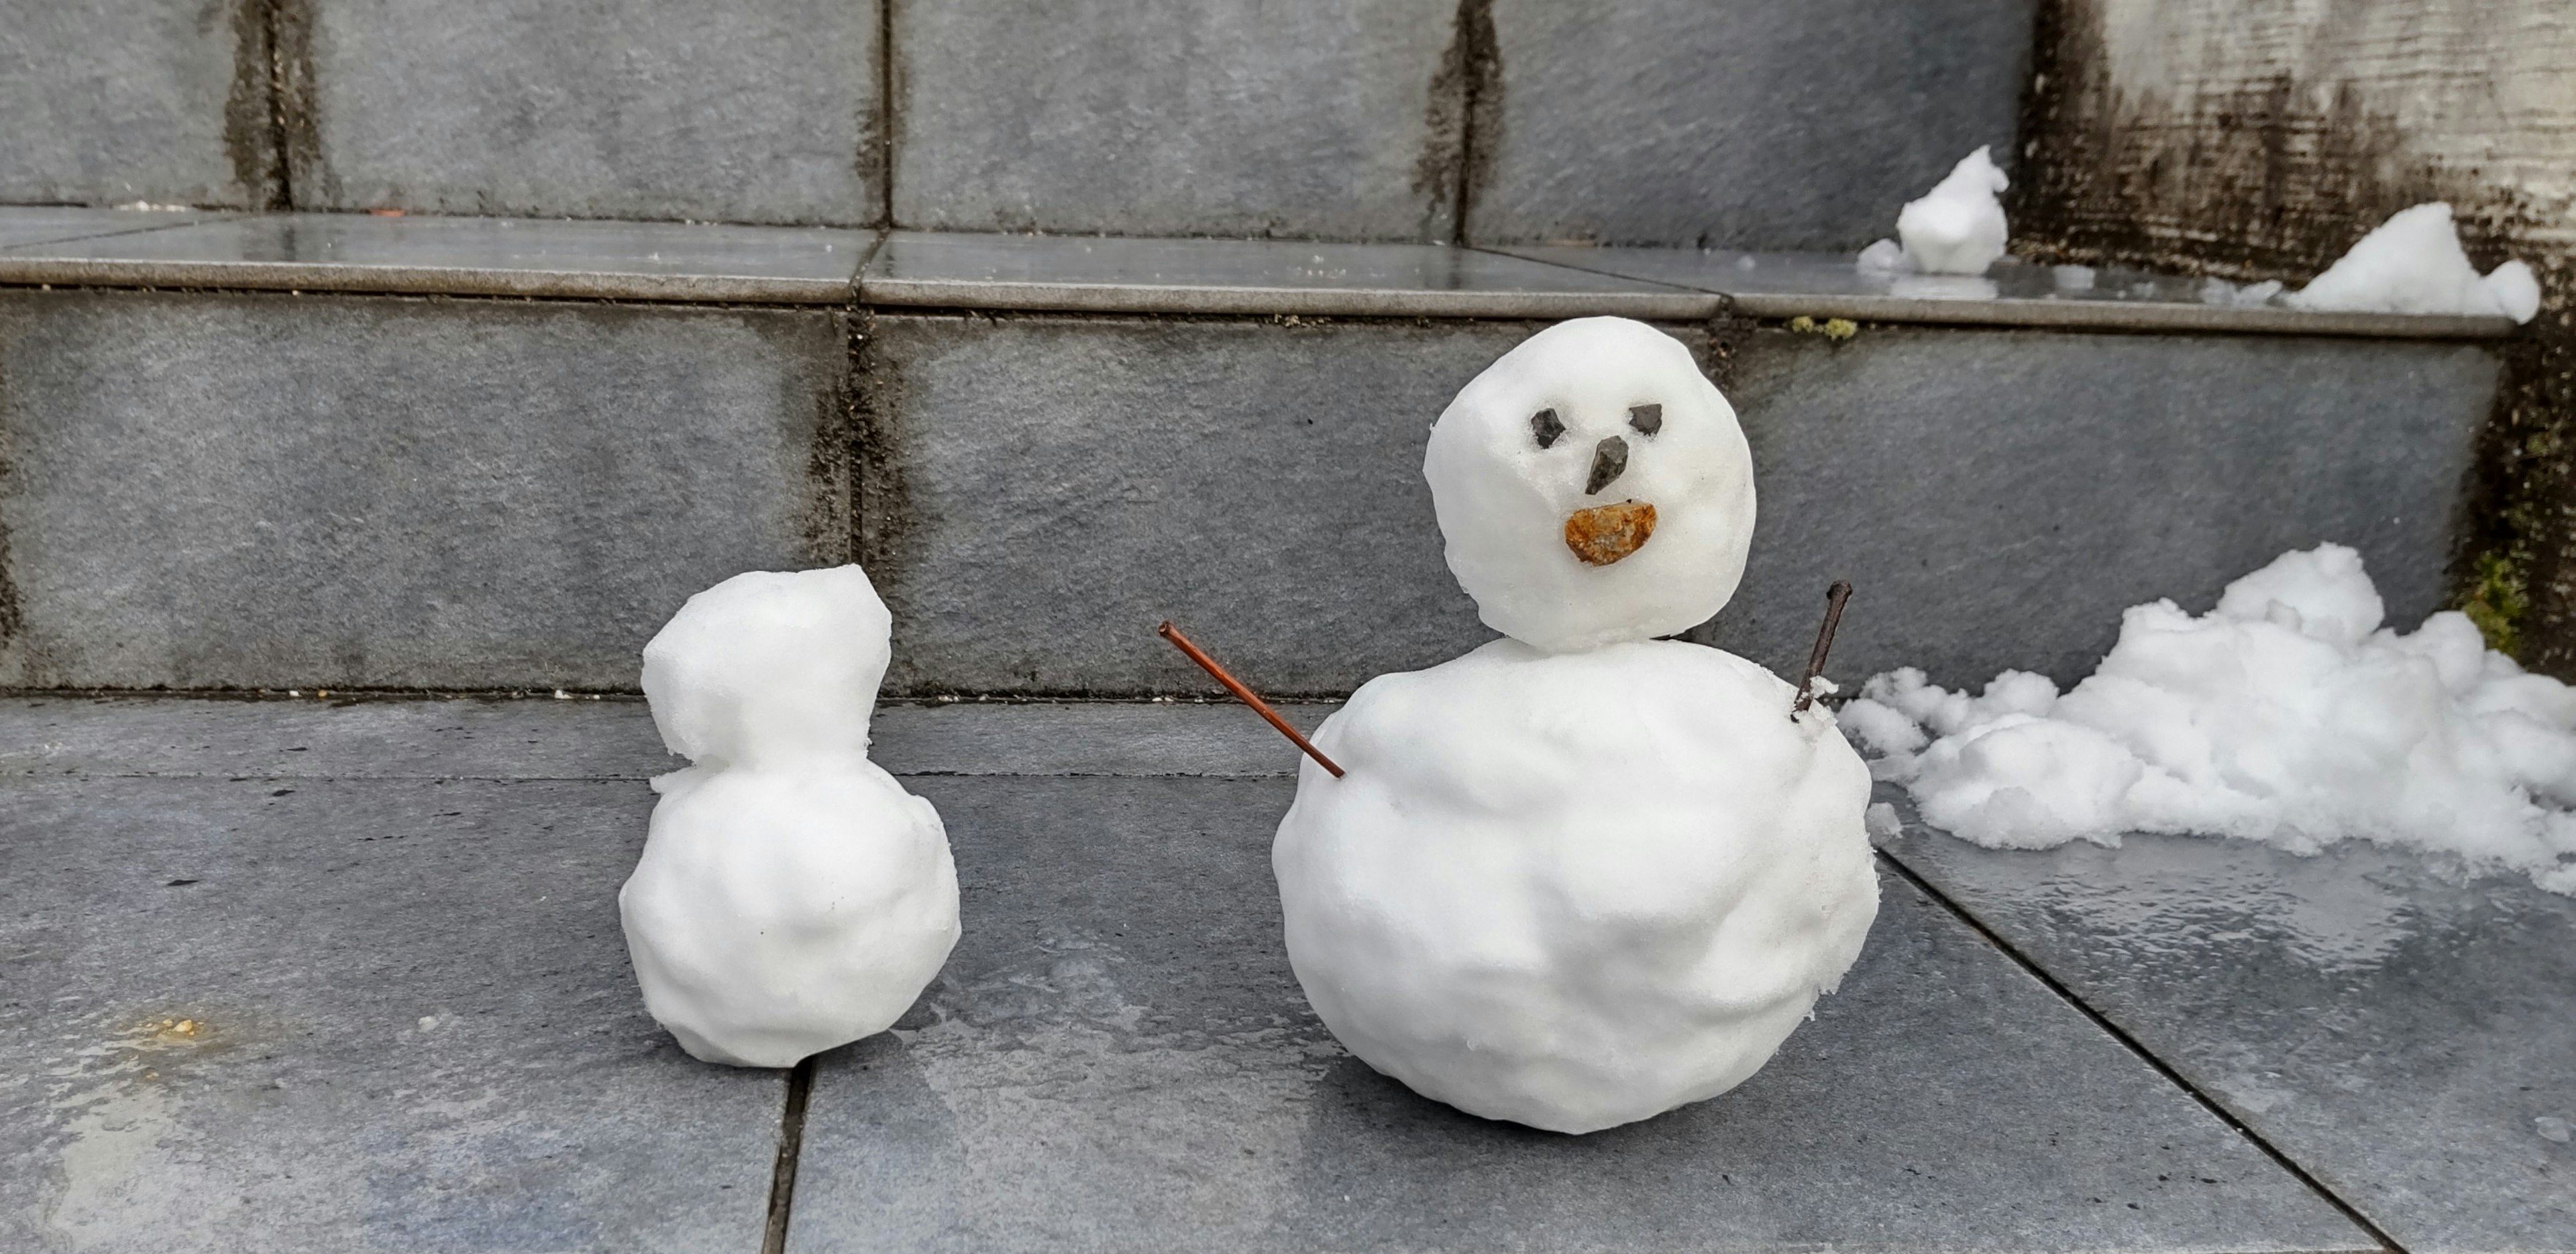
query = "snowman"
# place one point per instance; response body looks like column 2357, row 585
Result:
column 1581, row 875
column 792, row 897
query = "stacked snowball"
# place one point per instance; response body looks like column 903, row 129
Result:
column 2287, row 714
column 1581, row 876
column 792, row 897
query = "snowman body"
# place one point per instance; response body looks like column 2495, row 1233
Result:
column 791, row 897
column 1580, row 876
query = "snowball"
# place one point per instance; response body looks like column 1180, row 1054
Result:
column 2287, row 714
column 1958, row 227
column 1575, row 890
column 791, row 897
column 1593, row 487
column 2413, row 264
column 1885, row 257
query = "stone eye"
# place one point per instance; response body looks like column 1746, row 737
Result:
column 1647, row 419
column 1547, row 427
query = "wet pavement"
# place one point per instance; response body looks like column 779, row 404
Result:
column 297, row 974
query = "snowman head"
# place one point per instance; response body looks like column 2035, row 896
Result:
column 1593, row 487
column 770, row 666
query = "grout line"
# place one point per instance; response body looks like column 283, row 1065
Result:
column 791, row 1143
column 2120, row 1034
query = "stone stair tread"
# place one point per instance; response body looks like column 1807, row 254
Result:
column 339, row 252
column 1110, row 274
column 44, row 224
column 1831, row 285
column 683, row 262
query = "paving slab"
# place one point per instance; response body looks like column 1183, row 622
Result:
column 22, row 225
column 1327, row 120
column 1117, row 1057
column 271, row 491
column 2013, row 293
column 763, row 111
column 322, row 1015
column 340, row 252
column 1275, row 277
column 115, row 101
column 1745, row 126
column 2403, row 1029
column 537, row 738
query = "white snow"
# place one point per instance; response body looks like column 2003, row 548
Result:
column 1575, row 890
column 2287, row 714
column 1511, row 458
column 791, row 897
column 2413, row 263
column 2218, row 291
column 1956, row 228
column 1579, row 877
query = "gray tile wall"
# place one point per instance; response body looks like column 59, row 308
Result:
column 755, row 111
column 1176, row 117
column 112, row 101
column 1659, row 122
column 1745, row 125
column 1053, row 488
column 1998, row 497
column 230, row 491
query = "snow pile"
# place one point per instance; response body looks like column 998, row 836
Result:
column 2413, row 263
column 1593, row 486
column 1956, row 228
column 791, row 897
column 2217, row 291
column 1575, row 890
column 2285, row 715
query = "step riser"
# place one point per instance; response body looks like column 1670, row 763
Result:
column 277, row 491
column 1670, row 122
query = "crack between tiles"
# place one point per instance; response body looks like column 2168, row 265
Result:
column 2134, row 1046
column 791, row 1143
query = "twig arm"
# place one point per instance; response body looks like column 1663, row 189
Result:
column 1245, row 695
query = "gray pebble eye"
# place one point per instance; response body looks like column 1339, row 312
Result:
column 1647, row 419
column 1547, row 427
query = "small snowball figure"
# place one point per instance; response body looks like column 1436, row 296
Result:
column 792, row 897
column 1581, row 875
column 1956, row 228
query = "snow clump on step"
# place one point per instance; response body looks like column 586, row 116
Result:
column 2286, row 715
column 1956, row 228
column 2413, row 264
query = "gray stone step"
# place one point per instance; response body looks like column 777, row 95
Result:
column 390, row 930
column 356, row 455
column 1800, row 126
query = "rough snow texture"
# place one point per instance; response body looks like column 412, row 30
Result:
column 2413, row 264
column 2287, row 715
column 1503, row 499
column 1575, row 890
column 1956, row 228
column 792, row 897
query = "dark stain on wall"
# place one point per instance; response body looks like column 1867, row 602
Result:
column 1464, row 116
column 880, row 504
column 2266, row 182
column 259, row 165
column 305, row 180
column 830, row 526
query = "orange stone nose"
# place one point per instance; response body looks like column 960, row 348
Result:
column 1605, row 533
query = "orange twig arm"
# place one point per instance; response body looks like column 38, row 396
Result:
column 1243, row 694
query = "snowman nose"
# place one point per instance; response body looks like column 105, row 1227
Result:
column 1609, row 461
